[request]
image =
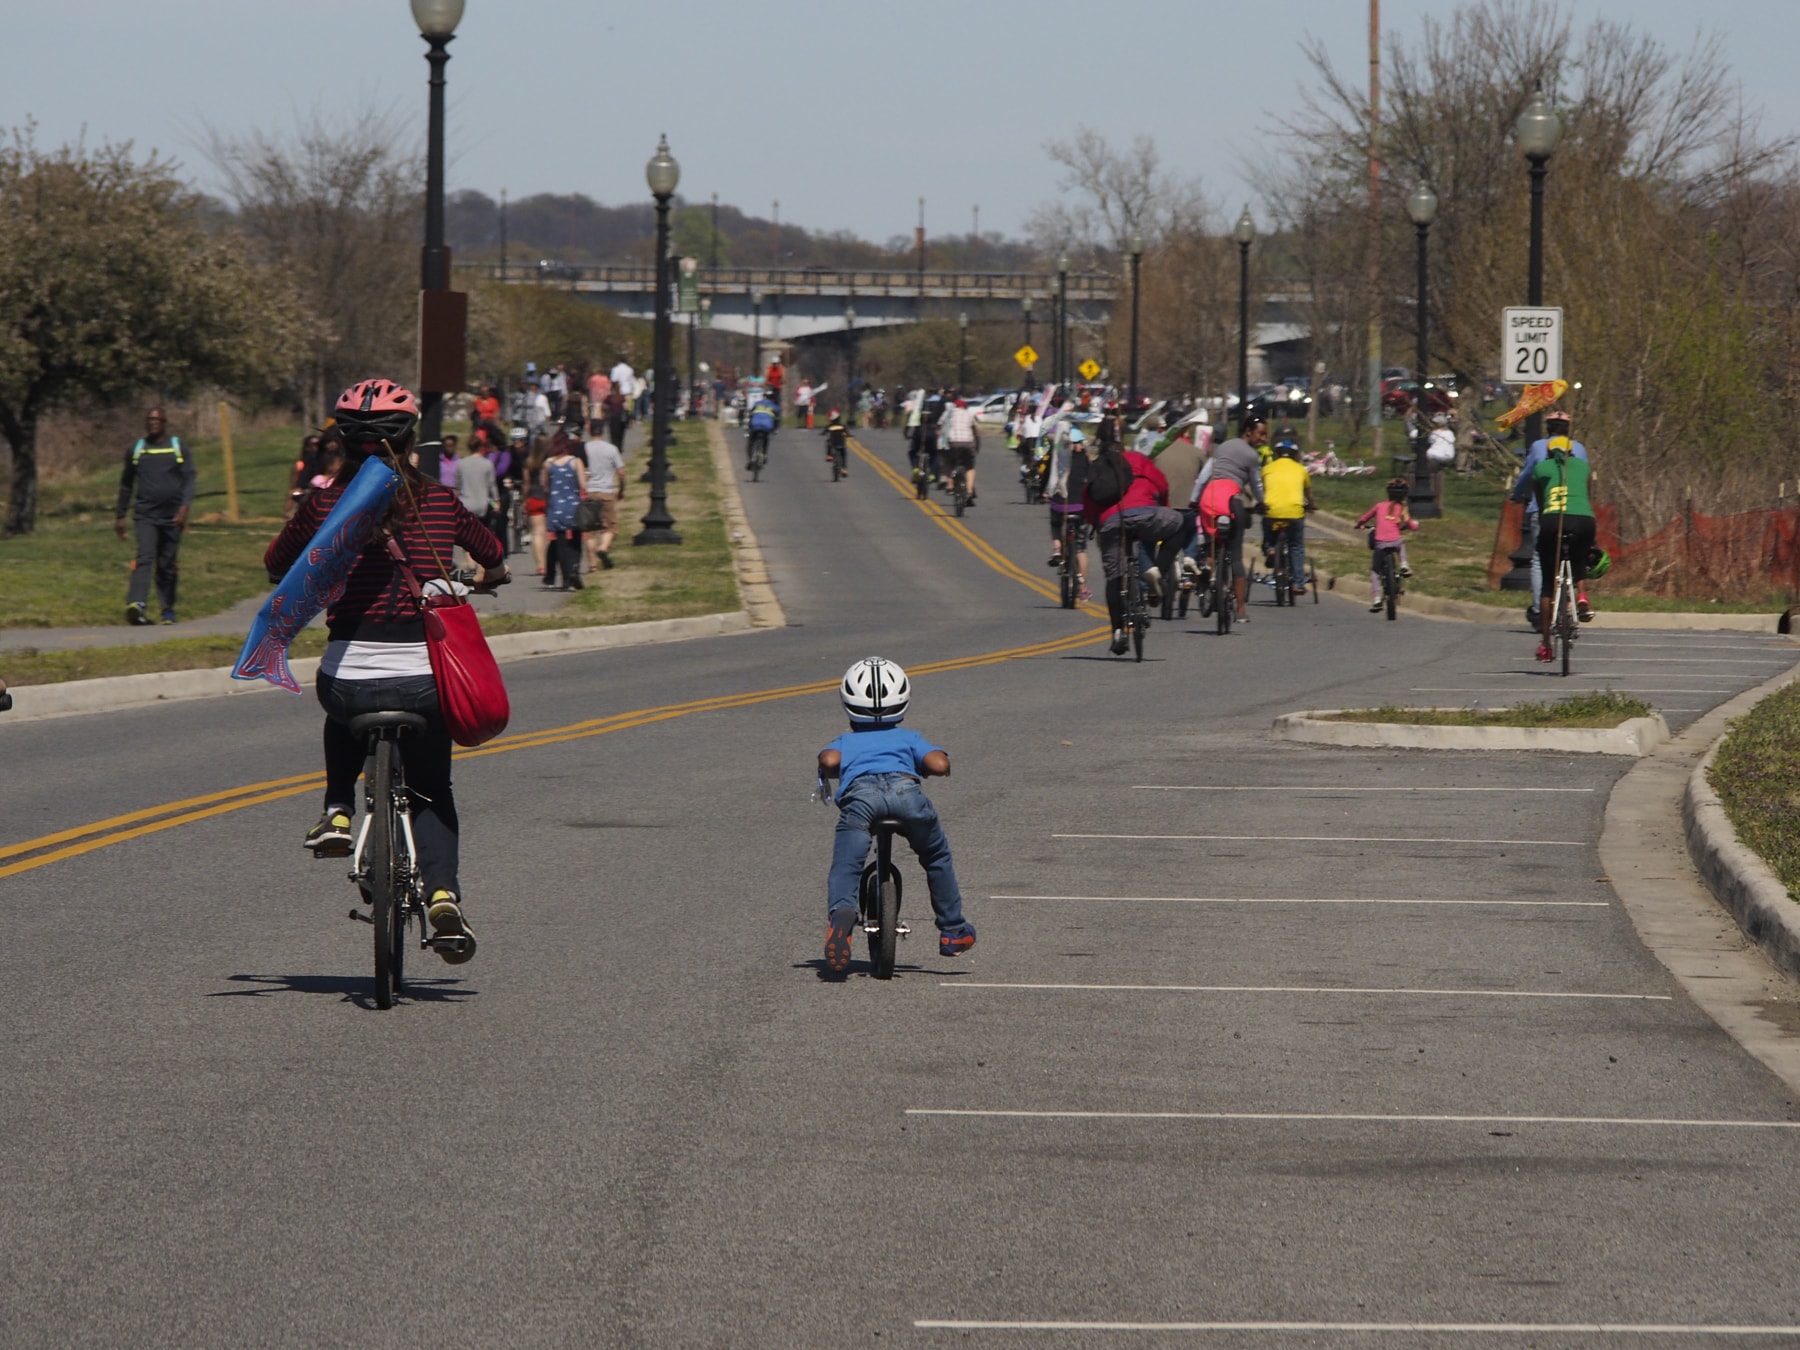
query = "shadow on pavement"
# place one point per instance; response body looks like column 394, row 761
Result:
column 357, row 989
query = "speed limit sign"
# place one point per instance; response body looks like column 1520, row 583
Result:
column 1530, row 345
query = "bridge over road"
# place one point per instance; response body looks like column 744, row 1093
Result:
column 799, row 302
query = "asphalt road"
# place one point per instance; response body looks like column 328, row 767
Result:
column 1262, row 1043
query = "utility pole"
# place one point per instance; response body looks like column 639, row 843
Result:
column 503, row 234
column 775, row 237
column 919, row 244
column 975, row 237
column 1375, row 226
column 713, row 262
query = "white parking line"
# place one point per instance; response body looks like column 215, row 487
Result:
column 1696, row 661
column 1316, row 788
column 1377, row 1328
column 1527, row 689
column 1366, row 1117
column 1309, row 900
column 1334, row 839
column 1312, row 989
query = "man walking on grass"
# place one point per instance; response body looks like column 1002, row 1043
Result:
column 161, row 471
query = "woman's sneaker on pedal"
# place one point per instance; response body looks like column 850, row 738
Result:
column 1544, row 653
column 1583, row 610
column 445, row 916
column 958, row 942
column 331, row 837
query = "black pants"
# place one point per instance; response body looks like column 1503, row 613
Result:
column 425, row 755
column 615, row 432
column 1577, row 539
column 564, row 553
column 158, row 541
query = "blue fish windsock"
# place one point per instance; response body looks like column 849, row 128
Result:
column 317, row 578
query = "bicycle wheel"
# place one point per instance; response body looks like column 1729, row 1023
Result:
column 1312, row 582
column 837, row 466
column 958, row 494
column 1070, row 590
column 1284, row 572
column 881, row 906
column 380, row 863
column 1390, row 580
column 1223, row 600
column 756, row 463
column 1565, row 624
column 1139, row 623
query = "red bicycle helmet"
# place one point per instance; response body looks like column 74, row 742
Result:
column 377, row 410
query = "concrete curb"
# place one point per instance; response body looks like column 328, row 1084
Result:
column 74, row 697
column 1739, row 879
column 1676, row 915
column 752, row 572
column 1637, row 737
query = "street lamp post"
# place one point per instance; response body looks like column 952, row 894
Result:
column 850, row 363
column 1244, row 234
column 662, row 173
column 437, row 20
column 1537, row 132
column 962, row 357
column 1422, row 207
column 756, row 299
column 1137, row 257
column 1031, row 370
column 689, row 266
column 1060, row 364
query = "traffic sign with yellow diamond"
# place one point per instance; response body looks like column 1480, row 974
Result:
column 1089, row 368
column 1026, row 356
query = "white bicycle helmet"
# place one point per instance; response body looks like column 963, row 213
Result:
column 875, row 692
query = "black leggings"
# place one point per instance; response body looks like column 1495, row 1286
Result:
column 1577, row 542
column 426, row 755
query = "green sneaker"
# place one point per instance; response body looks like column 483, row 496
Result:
column 136, row 616
column 331, row 837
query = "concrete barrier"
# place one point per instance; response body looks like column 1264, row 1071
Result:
column 1638, row 736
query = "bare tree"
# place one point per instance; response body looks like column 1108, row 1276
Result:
column 337, row 205
column 1110, row 192
column 1655, row 237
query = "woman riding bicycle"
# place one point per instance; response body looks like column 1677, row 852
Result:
column 375, row 657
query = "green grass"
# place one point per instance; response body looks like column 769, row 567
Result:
column 1594, row 709
column 1757, row 776
column 73, row 571
column 48, row 575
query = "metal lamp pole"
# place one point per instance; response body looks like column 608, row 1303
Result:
column 437, row 20
column 756, row 299
column 1137, row 257
column 1031, row 370
column 850, row 363
column 689, row 266
column 1537, row 131
column 1244, row 234
column 1422, row 207
column 1060, row 364
column 662, row 173
column 962, row 358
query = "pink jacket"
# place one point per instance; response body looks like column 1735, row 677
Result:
column 1387, row 517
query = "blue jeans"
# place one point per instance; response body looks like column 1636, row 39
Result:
column 1295, row 529
column 899, row 795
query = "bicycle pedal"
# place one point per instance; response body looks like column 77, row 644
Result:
column 359, row 915
column 903, row 930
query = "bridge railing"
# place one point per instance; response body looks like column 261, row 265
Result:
column 779, row 281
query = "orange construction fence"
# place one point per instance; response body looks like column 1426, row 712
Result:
column 1695, row 556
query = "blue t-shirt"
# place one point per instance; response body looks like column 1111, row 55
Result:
column 889, row 750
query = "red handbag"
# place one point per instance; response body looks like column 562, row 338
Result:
column 471, row 694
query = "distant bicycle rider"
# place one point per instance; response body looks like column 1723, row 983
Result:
column 1234, row 489
column 1141, row 513
column 837, row 442
column 1287, row 497
column 763, row 417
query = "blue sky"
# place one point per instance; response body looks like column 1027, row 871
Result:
column 847, row 112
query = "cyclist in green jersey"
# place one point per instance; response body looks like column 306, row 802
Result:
column 1560, row 483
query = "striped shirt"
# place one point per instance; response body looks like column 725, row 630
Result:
column 376, row 605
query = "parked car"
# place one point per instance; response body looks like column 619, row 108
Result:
column 993, row 410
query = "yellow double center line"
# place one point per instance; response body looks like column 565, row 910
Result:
column 953, row 527
column 72, row 843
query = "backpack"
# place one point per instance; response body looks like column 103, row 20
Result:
column 1109, row 478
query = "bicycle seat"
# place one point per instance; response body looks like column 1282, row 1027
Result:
column 365, row 724
column 886, row 823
